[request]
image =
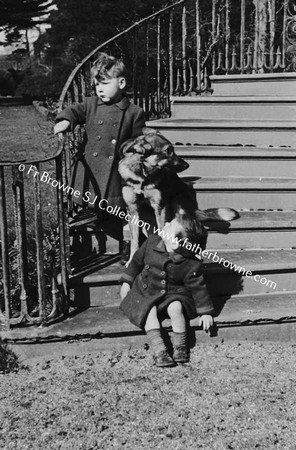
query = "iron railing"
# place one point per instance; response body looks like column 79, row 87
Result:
column 26, row 284
column 173, row 51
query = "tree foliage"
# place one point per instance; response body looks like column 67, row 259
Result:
column 79, row 26
column 22, row 14
column 76, row 28
column 17, row 16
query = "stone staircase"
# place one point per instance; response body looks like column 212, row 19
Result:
column 241, row 146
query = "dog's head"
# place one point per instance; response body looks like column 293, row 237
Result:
column 154, row 150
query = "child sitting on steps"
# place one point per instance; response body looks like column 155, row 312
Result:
column 162, row 280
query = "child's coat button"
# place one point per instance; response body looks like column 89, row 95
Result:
column 162, row 291
column 95, row 154
column 113, row 141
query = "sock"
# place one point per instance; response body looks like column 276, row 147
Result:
column 126, row 232
column 180, row 339
column 155, row 340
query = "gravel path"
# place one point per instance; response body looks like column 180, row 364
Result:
column 230, row 396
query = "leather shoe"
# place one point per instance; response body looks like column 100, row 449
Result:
column 126, row 251
column 181, row 355
column 163, row 359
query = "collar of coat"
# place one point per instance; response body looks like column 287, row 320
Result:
column 175, row 257
column 123, row 104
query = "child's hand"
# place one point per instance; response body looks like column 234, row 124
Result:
column 125, row 288
column 61, row 126
column 206, row 321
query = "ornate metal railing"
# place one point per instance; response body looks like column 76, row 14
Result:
column 173, row 51
column 254, row 36
column 32, row 253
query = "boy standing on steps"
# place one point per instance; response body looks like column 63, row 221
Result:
column 164, row 280
column 110, row 119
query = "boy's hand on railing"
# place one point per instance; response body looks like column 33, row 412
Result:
column 125, row 288
column 206, row 321
column 61, row 126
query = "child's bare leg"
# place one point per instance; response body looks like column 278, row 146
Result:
column 152, row 321
column 175, row 312
column 153, row 330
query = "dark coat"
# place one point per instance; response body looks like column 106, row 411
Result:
column 107, row 127
column 158, row 278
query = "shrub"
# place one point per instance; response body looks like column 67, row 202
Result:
column 41, row 81
column 37, row 84
column 8, row 360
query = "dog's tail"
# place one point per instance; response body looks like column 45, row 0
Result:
column 214, row 214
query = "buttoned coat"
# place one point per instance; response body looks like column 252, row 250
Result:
column 157, row 278
column 95, row 175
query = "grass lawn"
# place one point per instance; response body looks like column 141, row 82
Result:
column 25, row 134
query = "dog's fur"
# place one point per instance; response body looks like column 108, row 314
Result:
column 149, row 168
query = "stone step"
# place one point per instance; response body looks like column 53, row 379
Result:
column 260, row 84
column 242, row 161
column 235, row 107
column 227, row 132
column 245, row 192
column 275, row 267
column 255, row 230
column 87, row 238
column 265, row 317
column 253, row 308
column 272, row 271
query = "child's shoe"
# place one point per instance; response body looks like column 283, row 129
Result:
column 163, row 359
column 181, row 355
column 125, row 254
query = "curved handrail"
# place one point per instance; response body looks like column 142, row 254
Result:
column 93, row 52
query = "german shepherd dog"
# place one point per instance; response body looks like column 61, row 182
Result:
column 149, row 168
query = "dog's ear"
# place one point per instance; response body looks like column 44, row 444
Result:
column 147, row 147
column 125, row 147
column 137, row 145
